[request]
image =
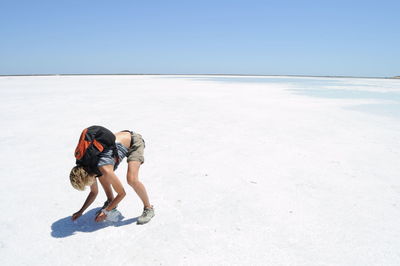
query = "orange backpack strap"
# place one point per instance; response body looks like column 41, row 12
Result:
column 82, row 146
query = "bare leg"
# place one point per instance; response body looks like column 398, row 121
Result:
column 107, row 189
column 133, row 180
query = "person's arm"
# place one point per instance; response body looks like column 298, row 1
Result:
column 89, row 200
column 108, row 173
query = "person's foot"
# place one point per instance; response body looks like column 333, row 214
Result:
column 146, row 216
column 105, row 206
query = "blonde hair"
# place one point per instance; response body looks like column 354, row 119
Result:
column 80, row 178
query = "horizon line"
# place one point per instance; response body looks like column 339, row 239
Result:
column 180, row 74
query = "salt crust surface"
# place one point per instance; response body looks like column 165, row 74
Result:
column 240, row 173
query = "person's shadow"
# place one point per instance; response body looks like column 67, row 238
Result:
column 66, row 227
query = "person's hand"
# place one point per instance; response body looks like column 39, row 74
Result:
column 101, row 217
column 76, row 215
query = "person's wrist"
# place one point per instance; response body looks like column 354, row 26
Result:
column 105, row 211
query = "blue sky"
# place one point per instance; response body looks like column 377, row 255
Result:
column 350, row 38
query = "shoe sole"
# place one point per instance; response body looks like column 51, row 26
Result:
column 144, row 222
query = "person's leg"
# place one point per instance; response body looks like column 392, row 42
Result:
column 133, row 180
column 107, row 189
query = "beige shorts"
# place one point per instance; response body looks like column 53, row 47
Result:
column 136, row 151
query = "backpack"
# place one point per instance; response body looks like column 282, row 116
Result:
column 93, row 141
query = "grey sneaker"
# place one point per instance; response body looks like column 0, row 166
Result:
column 146, row 216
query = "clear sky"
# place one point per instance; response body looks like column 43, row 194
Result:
column 350, row 38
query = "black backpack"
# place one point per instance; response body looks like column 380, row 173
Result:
column 92, row 142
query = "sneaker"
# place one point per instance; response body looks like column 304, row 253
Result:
column 105, row 206
column 146, row 216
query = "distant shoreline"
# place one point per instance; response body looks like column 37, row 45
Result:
column 230, row 75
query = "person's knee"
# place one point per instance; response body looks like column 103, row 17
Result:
column 133, row 181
